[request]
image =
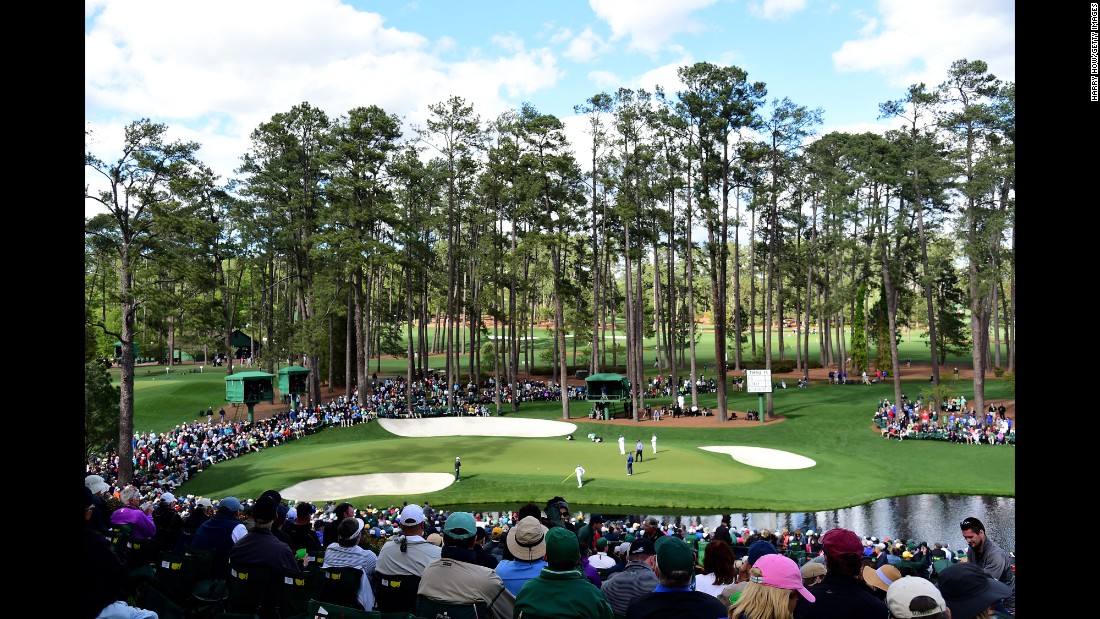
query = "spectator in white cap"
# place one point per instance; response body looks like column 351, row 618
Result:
column 404, row 555
column 913, row 596
column 169, row 522
column 200, row 513
column 101, row 515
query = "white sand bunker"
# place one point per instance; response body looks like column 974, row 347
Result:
column 477, row 426
column 344, row 486
column 763, row 457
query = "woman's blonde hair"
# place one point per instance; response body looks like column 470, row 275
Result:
column 759, row 601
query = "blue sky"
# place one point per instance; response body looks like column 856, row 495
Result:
column 213, row 71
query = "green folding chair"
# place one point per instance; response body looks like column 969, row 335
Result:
column 247, row 588
column 340, row 585
column 298, row 588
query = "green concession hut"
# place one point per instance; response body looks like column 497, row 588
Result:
column 604, row 390
column 293, row 380
column 249, row 388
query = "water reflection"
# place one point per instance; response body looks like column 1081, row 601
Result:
column 923, row 517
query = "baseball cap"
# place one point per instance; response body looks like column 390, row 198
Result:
column 758, row 549
column 899, row 597
column 601, row 544
column 231, row 503
column 561, row 545
column 527, row 540
column 782, row 573
column 96, row 484
column 839, row 541
column 968, row 591
column 305, row 509
column 167, row 497
column 595, row 518
column 459, row 525
column 411, row 515
column 674, row 555
column 204, row 502
column 642, row 545
column 813, row 569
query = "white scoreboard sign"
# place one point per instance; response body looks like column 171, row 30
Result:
column 758, row 381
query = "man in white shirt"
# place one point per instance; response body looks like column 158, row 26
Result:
column 580, row 472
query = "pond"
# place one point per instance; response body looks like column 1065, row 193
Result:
column 923, row 517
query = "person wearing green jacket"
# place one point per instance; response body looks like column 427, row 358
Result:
column 561, row 590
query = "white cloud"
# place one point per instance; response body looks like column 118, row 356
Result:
column 585, row 47
column 605, row 80
column 225, row 67
column 649, row 24
column 917, row 42
column 777, row 9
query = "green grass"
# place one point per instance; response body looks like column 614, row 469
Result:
column 827, row 423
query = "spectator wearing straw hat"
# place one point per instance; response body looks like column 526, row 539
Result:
column 526, row 543
column 561, row 590
column 880, row 579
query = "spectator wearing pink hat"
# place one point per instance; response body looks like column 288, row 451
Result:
column 842, row 594
column 775, row 586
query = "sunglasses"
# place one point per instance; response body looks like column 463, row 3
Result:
column 969, row 523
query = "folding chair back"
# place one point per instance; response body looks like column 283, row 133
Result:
column 340, row 585
column 249, row 590
column 395, row 593
column 297, row 590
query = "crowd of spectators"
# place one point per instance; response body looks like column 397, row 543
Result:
column 950, row 421
column 504, row 562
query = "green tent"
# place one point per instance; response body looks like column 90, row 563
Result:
column 607, row 387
